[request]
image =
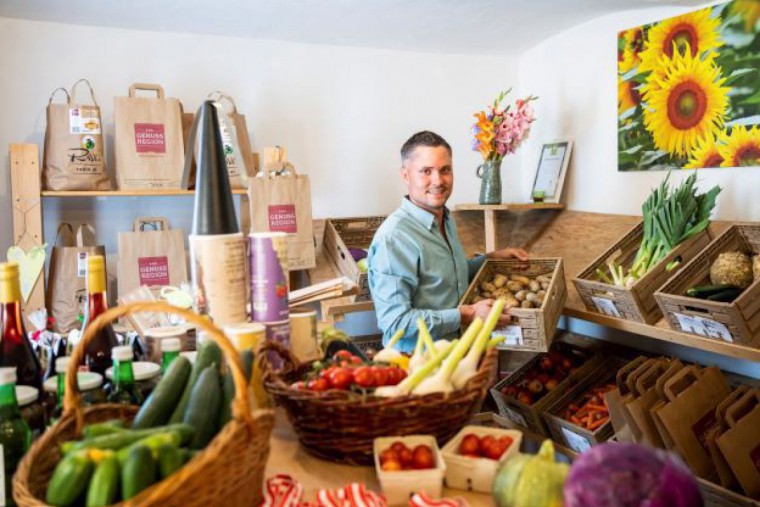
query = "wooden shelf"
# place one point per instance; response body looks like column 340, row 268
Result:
column 125, row 193
column 524, row 206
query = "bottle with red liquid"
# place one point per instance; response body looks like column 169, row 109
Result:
column 15, row 348
column 98, row 352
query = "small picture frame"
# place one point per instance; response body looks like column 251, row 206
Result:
column 551, row 171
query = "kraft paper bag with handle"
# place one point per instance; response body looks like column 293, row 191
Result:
column 235, row 140
column 726, row 476
column 616, row 398
column 630, row 388
column 690, row 414
column 67, row 277
column 740, row 444
column 74, row 157
column 646, row 390
column 153, row 254
column 280, row 200
column 148, row 137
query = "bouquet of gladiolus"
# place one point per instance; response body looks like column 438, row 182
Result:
column 499, row 132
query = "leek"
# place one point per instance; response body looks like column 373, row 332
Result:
column 417, row 358
column 468, row 367
column 389, row 354
column 405, row 386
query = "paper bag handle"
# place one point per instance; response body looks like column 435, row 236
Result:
column 146, row 86
column 679, row 382
column 80, row 235
column 635, row 374
column 732, row 398
column 140, row 221
column 648, row 379
column 69, row 235
column 623, row 373
column 218, row 96
column 276, row 161
column 59, row 89
column 742, row 407
column 74, row 90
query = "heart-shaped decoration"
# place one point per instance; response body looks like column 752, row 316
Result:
column 30, row 266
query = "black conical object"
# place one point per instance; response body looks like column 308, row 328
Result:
column 214, row 211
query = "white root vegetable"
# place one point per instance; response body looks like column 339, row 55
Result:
column 388, row 354
column 468, row 367
column 409, row 383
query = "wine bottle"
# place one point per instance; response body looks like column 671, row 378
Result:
column 15, row 435
column 15, row 348
column 98, row 351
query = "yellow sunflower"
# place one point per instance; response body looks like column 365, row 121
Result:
column 627, row 60
column 634, row 38
column 628, row 95
column 705, row 154
column 748, row 10
column 696, row 30
column 686, row 102
column 742, row 148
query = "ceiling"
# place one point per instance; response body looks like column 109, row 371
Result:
column 478, row 27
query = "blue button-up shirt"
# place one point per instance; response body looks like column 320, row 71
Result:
column 414, row 272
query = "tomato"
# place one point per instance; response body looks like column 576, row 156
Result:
column 319, row 384
column 406, row 457
column 506, row 441
column 398, row 446
column 356, row 360
column 393, row 376
column 402, row 373
column 298, row 385
column 391, row 466
column 341, row 378
column 325, row 374
column 364, row 376
column 422, row 457
column 470, row 445
column 342, row 354
column 380, row 374
column 388, row 455
column 493, row 450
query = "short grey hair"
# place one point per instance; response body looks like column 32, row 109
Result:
column 423, row 138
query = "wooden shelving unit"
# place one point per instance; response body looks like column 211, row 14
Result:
column 125, row 193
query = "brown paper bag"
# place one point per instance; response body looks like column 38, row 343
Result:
column 689, row 416
column 616, row 398
column 237, row 145
column 740, row 444
column 67, row 278
column 726, row 476
column 281, row 201
column 630, row 388
column 647, row 395
column 74, row 156
column 152, row 255
column 148, row 138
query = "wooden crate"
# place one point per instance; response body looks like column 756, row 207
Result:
column 738, row 321
column 529, row 416
column 715, row 495
column 344, row 233
column 572, row 436
column 531, row 329
column 635, row 303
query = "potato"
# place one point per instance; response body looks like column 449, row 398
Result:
column 511, row 303
column 526, row 304
column 489, row 287
column 515, row 286
column 521, row 295
column 499, row 280
column 486, row 295
column 545, row 285
column 544, row 278
column 541, row 294
column 534, row 286
column 534, row 298
column 522, row 279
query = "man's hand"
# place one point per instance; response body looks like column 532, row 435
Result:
column 509, row 253
column 481, row 309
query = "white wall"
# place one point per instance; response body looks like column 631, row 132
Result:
column 343, row 113
column 574, row 73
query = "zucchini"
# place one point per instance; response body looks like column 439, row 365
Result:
column 116, row 441
column 228, row 387
column 704, row 291
column 152, row 442
column 70, row 479
column 104, row 428
column 203, row 408
column 170, row 459
column 725, row 296
column 209, row 354
column 104, row 485
column 138, row 472
column 160, row 405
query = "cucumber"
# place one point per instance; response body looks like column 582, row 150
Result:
column 170, row 459
column 704, row 291
column 116, row 441
column 725, row 296
column 104, row 485
column 152, row 442
column 209, row 354
column 203, row 408
column 138, row 472
column 160, row 405
column 70, row 479
column 104, row 428
column 228, row 387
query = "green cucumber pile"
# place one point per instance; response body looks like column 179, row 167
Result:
column 182, row 415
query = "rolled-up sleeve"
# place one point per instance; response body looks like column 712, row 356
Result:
column 393, row 280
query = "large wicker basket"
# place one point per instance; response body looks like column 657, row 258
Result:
column 341, row 426
column 229, row 471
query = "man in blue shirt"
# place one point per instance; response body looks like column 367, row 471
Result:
column 417, row 266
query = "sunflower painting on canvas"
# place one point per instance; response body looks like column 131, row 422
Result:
column 688, row 94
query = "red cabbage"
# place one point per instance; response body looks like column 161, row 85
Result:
column 357, row 253
column 630, row 475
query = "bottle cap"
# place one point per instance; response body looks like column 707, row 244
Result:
column 170, row 345
column 8, row 270
column 122, row 353
column 7, row 375
column 61, row 363
column 96, row 263
column 214, row 210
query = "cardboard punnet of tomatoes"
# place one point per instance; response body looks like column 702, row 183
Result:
column 345, row 371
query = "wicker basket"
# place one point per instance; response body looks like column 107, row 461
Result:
column 344, row 233
column 341, row 426
column 229, row 471
column 738, row 321
column 635, row 303
column 537, row 325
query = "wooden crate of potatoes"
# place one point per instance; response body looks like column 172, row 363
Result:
column 717, row 294
column 635, row 302
column 342, row 235
column 535, row 293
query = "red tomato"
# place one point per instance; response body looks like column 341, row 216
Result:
column 388, row 455
column 298, row 385
column 391, row 466
column 470, row 445
column 402, row 373
column 342, row 354
column 325, row 373
column 319, row 384
column 494, row 450
column 486, row 441
column 398, row 446
column 341, row 378
column 364, row 376
column 380, row 374
column 506, row 441
column 356, row 360
column 422, row 457
column 406, row 457
column 393, row 376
